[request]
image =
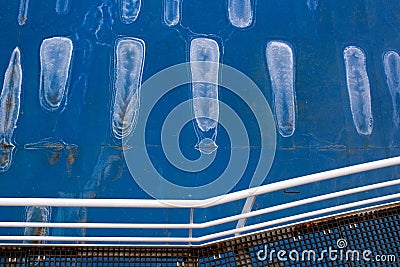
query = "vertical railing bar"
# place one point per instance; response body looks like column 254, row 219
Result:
column 247, row 207
column 191, row 223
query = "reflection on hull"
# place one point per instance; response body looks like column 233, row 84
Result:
column 23, row 12
column 129, row 10
column 10, row 108
column 280, row 61
column 204, row 59
column 359, row 89
column 37, row 214
column 172, row 12
column 391, row 62
column 129, row 61
column 240, row 13
column 62, row 7
column 312, row 5
column 55, row 63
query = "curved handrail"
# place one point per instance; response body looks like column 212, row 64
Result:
column 205, row 203
column 193, row 204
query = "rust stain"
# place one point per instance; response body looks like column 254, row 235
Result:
column 54, row 146
column 122, row 148
column 54, row 158
column 71, row 158
column 4, row 159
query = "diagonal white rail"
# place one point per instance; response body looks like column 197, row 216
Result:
column 196, row 204
column 206, row 203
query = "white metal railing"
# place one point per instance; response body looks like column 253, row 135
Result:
column 201, row 204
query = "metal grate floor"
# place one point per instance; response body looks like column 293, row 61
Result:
column 363, row 238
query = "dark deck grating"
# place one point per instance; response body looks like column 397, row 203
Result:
column 377, row 230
